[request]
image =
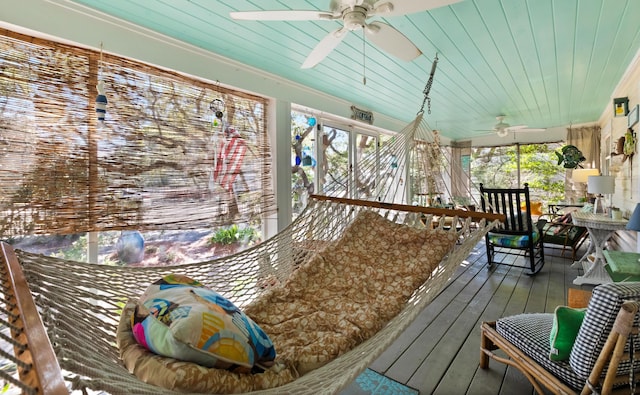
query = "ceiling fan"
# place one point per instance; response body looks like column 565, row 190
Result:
column 354, row 15
column 502, row 128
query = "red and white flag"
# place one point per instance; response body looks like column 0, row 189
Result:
column 230, row 154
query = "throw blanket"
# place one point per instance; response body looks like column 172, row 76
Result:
column 349, row 290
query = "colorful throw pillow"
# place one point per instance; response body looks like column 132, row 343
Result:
column 566, row 324
column 180, row 318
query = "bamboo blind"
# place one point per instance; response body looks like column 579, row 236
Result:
column 150, row 165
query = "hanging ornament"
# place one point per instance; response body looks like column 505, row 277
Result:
column 101, row 103
column 307, row 159
column 101, row 99
column 394, row 162
column 571, row 156
column 311, row 121
column 217, row 106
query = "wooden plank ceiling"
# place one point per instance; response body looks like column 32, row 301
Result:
column 542, row 63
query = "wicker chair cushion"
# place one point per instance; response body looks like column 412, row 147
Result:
column 530, row 333
column 180, row 318
column 512, row 241
column 603, row 308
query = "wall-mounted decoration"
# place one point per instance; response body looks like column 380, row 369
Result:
column 620, row 106
column 571, row 156
column 362, row 115
column 632, row 118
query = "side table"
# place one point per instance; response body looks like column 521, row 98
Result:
column 600, row 229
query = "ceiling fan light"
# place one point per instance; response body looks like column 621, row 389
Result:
column 354, row 20
column 502, row 132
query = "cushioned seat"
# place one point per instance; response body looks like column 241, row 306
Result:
column 512, row 241
column 525, row 338
column 530, row 333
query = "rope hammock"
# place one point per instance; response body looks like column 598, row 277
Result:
column 66, row 315
column 80, row 303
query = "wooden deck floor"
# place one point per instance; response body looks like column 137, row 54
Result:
column 439, row 352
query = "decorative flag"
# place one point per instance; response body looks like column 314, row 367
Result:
column 231, row 151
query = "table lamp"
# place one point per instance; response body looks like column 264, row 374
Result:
column 600, row 185
column 634, row 221
column 580, row 177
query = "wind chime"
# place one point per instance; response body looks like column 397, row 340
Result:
column 217, row 107
column 303, row 153
column 101, row 98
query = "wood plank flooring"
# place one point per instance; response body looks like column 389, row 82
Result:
column 439, row 352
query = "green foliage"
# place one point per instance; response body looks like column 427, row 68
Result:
column 77, row 251
column 498, row 167
column 234, row 234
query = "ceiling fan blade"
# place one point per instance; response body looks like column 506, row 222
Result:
column 524, row 128
column 324, row 47
column 527, row 130
column 391, row 41
column 403, row 7
column 285, row 15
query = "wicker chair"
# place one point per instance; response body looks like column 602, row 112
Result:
column 599, row 360
column 517, row 235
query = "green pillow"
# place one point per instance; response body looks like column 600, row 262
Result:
column 566, row 324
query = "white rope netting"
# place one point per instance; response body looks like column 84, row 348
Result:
column 80, row 303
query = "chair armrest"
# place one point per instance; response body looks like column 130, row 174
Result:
column 540, row 224
column 557, row 228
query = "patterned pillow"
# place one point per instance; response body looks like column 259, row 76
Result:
column 189, row 377
column 178, row 317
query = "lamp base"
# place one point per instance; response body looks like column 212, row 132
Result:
column 598, row 205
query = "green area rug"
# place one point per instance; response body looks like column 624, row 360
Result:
column 372, row 382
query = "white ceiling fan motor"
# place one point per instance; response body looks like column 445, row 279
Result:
column 501, row 127
column 354, row 19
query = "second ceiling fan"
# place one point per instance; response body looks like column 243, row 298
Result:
column 502, row 128
column 354, row 15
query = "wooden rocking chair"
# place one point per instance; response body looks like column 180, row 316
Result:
column 517, row 235
column 604, row 358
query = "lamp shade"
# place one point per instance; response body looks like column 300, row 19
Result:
column 603, row 185
column 581, row 175
column 634, row 221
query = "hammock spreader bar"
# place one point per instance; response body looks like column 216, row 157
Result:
column 476, row 215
